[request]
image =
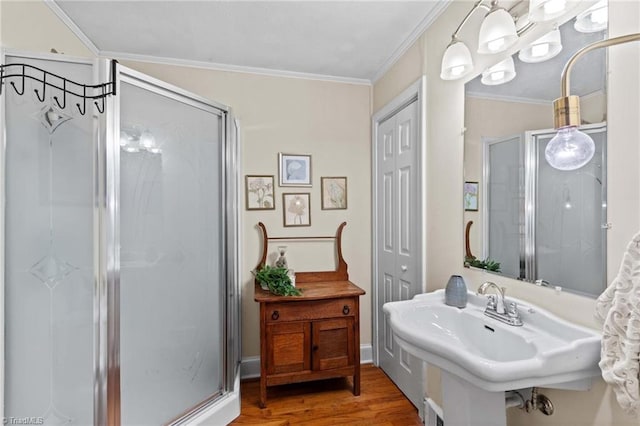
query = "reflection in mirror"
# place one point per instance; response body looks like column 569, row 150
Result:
column 539, row 224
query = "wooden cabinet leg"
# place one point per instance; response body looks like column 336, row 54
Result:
column 263, row 393
column 356, row 381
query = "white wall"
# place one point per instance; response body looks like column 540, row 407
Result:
column 445, row 118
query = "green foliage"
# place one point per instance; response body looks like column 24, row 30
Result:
column 278, row 281
column 488, row 264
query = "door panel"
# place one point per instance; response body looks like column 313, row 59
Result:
column 333, row 343
column 398, row 271
column 289, row 347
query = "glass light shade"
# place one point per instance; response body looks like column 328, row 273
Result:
column 569, row 149
column 500, row 73
column 456, row 61
column 544, row 48
column 546, row 10
column 593, row 19
column 497, row 32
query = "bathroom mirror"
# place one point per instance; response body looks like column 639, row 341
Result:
column 523, row 219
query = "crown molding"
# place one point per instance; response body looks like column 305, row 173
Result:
column 409, row 41
column 232, row 68
column 53, row 6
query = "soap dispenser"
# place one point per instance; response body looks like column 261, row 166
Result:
column 455, row 294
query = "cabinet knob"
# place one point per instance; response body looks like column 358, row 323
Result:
column 346, row 310
column 315, row 347
column 275, row 315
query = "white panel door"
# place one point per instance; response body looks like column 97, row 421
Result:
column 398, row 240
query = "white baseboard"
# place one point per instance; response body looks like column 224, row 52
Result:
column 250, row 366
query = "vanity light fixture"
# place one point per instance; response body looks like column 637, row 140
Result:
column 456, row 61
column 546, row 10
column 570, row 148
column 593, row 19
column 543, row 49
column 500, row 73
column 497, row 31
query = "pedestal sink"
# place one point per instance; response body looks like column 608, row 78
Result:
column 481, row 358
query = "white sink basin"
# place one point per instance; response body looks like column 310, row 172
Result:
column 546, row 351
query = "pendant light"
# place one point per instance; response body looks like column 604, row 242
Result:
column 546, row 10
column 501, row 73
column 570, row 148
column 456, row 61
column 497, row 31
column 593, row 19
column 544, row 48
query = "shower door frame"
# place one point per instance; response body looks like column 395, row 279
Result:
column 106, row 135
column 108, row 395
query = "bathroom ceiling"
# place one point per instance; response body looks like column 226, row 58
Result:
column 348, row 40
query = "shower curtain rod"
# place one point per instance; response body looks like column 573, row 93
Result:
column 104, row 89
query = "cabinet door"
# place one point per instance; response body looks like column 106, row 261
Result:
column 333, row 345
column 288, row 347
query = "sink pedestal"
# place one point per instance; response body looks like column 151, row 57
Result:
column 465, row 404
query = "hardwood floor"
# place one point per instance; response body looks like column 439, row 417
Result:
column 329, row 402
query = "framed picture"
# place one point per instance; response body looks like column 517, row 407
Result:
column 470, row 196
column 259, row 192
column 296, row 209
column 334, row 193
column 294, row 170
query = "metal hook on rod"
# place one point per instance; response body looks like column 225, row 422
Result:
column 13, row 84
column 83, row 110
column 44, row 89
column 101, row 101
column 64, row 95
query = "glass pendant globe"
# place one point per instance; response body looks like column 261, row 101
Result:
column 456, row 61
column 497, row 32
column 543, row 49
column 594, row 19
column 569, row 149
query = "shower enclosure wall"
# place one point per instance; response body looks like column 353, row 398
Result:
column 120, row 284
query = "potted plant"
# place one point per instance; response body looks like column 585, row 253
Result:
column 277, row 280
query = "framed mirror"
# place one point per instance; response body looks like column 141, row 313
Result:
column 535, row 223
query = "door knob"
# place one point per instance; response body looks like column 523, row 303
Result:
column 404, row 268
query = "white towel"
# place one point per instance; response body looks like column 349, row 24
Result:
column 618, row 308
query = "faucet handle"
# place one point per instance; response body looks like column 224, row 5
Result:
column 513, row 310
column 491, row 302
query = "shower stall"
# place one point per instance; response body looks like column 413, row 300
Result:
column 543, row 224
column 119, row 230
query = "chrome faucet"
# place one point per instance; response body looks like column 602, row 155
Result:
column 499, row 303
column 495, row 305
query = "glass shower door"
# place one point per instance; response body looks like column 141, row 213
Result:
column 570, row 237
column 48, row 253
column 172, row 253
column 504, row 159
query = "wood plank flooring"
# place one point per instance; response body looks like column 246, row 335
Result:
column 329, row 402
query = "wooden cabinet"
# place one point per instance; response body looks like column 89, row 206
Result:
column 314, row 336
column 309, row 337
